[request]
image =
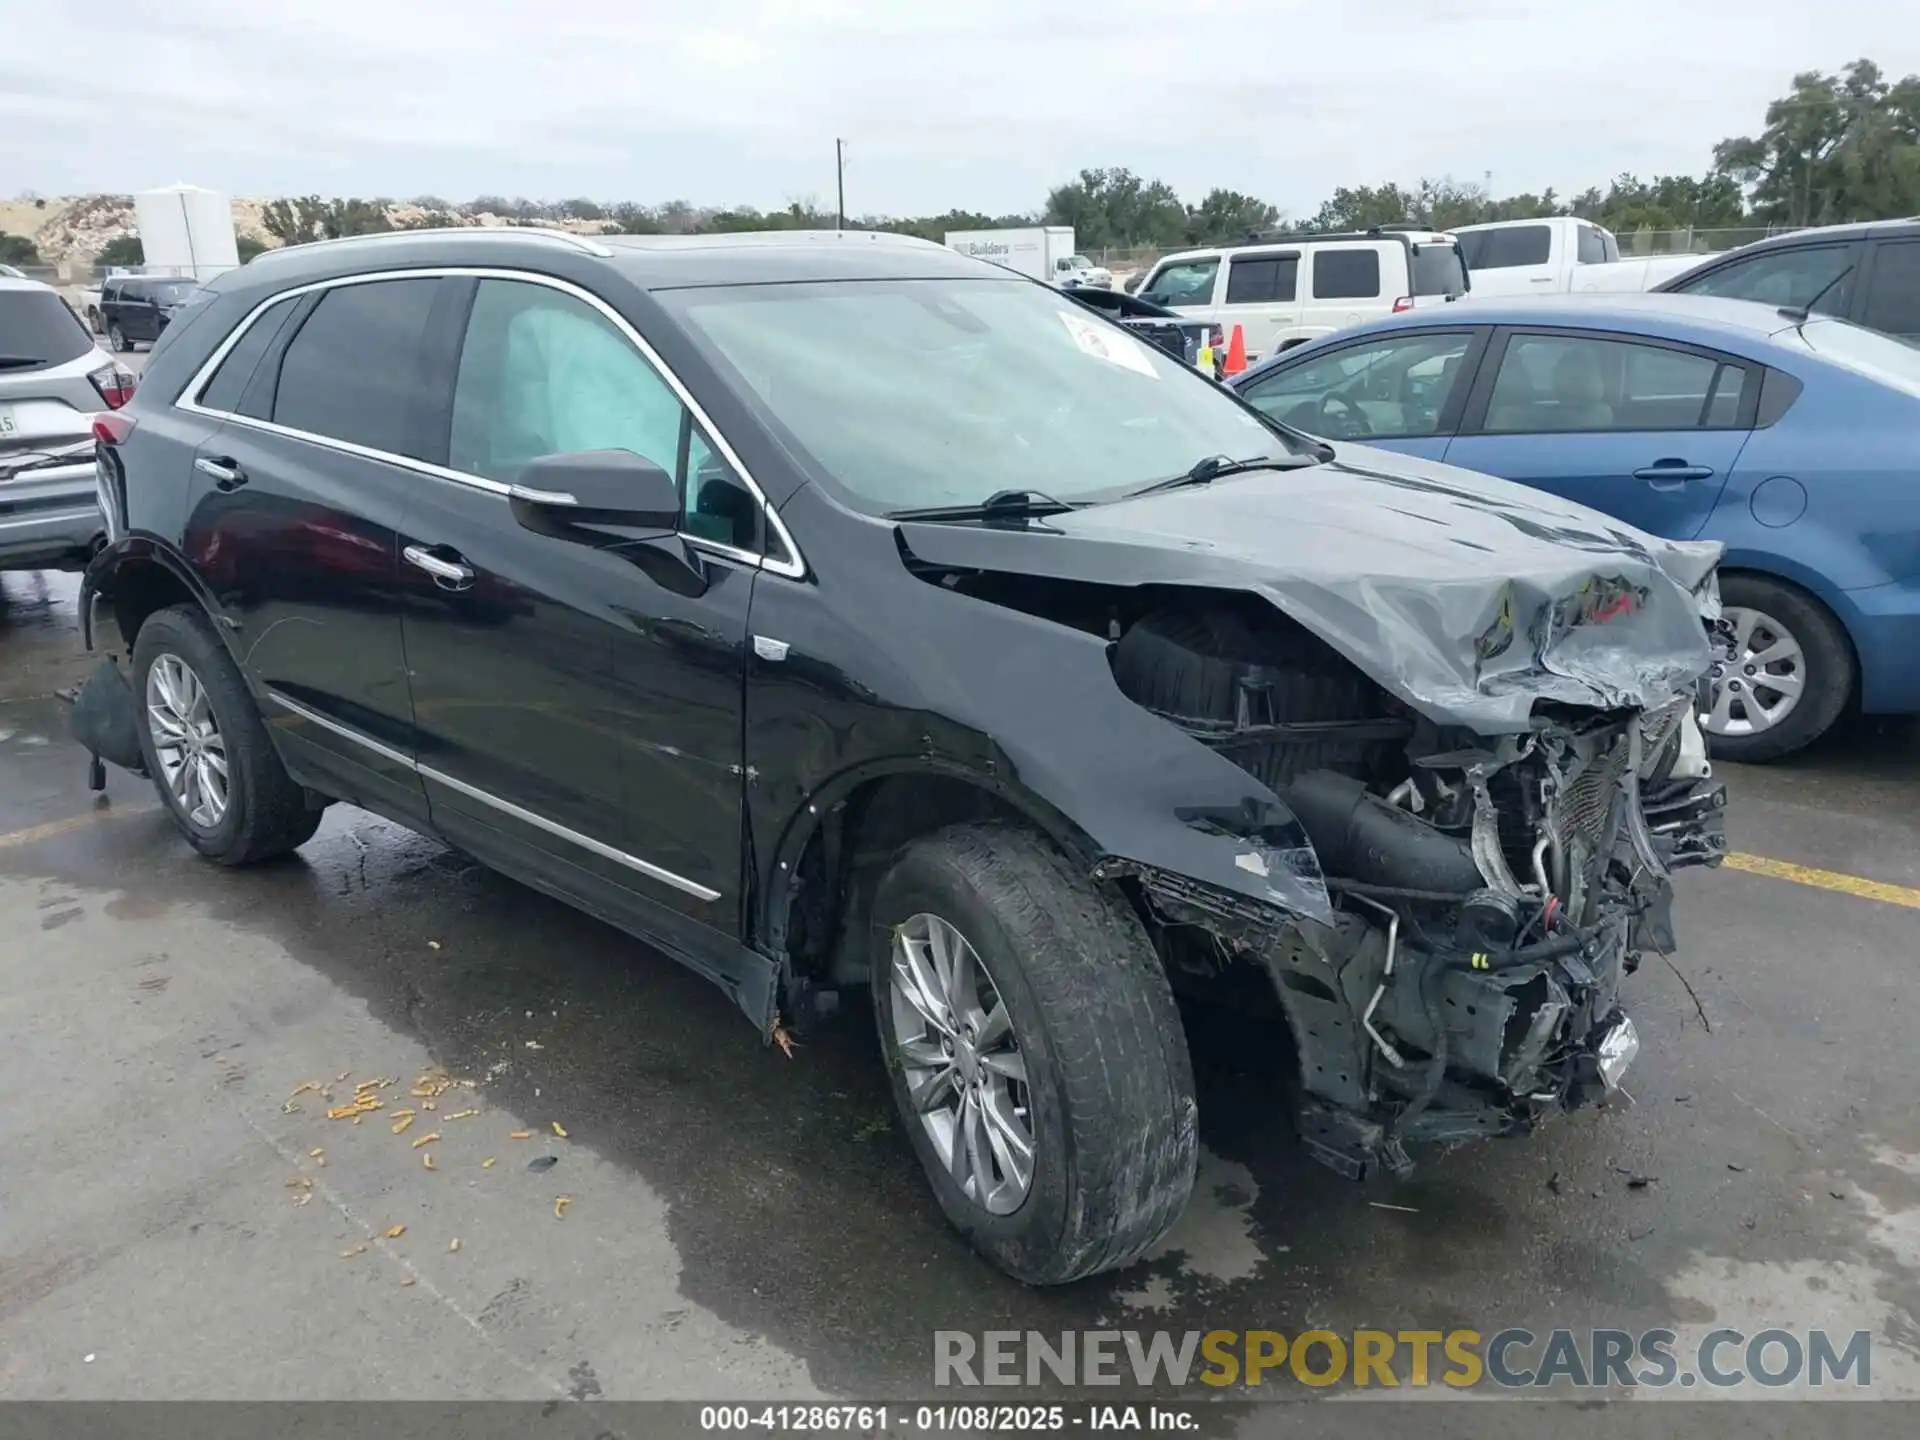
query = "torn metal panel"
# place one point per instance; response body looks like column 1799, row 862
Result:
column 1470, row 598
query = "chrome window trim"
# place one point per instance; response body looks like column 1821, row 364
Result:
column 794, row 567
column 506, row 807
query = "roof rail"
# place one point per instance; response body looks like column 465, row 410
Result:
column 584, row 243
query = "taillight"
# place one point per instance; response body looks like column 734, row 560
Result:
column 1217, row 338
column 1403, row 304
column 110, row 429
column 115, row 385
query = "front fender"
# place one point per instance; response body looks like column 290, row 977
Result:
column 1025, row 706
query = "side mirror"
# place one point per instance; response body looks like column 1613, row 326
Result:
column 595, row 487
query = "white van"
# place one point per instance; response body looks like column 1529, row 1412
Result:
column 1287, row 289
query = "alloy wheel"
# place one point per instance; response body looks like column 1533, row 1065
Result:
column 965, row 1074
column 187, row 741
column 1763, row 682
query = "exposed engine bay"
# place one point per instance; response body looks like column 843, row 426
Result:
column 1487, row 893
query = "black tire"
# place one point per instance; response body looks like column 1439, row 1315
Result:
column 1110, row 1085
column 93, row 320
column 1829, row 672
column 117, row 338
column 267, row 814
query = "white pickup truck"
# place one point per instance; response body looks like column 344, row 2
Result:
column 1558, row 255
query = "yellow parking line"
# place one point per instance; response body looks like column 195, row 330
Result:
column 1833, row 880
column 33, row 834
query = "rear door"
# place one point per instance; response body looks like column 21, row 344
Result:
column 1891, row 303
column 320, row 408
column 1642, row 429
column 1403, row 391
column 1347, row 284
column 1262, row 296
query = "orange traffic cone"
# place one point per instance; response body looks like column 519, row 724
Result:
column 1236, row 352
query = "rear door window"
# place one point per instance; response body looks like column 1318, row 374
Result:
column 1893, row 297
column 229, row 381
column 1784, row 277
column 38, row 331
column 1346, row 274
column 1262, row 279
column 1555, row 383
column 1507, row 248
column 354, row 371
column 1183, row 282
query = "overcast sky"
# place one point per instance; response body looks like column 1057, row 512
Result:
column 980, row 104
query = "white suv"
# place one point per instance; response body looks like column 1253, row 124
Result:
column 1286, row 289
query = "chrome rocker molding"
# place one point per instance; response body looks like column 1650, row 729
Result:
column 526, row 817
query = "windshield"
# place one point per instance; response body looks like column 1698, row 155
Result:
column 916, row 394
column 1437, row 269
column 1866, row 352
column 37, row 329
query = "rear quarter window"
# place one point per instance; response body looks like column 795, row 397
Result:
column 38, row 331
column 1346, row 274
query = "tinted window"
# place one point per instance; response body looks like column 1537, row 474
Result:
column 1185, row 282
column 229, row 382
column 1438, row 270
column 1505, row 248
column 353, row 372
column 1258, row 280
column 1346, row 274
column 985, row 386
column 1783, row 277
column 1381, row 389
column 1893, row 300
column 717, row 506
column 37, row 330
column 1560, row 382
column 1879, row 357
column 543, row 373
column 1592, row 246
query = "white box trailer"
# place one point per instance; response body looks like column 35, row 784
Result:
column 186, row 230
column 1043, row 252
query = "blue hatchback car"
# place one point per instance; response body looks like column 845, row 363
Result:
column 1793, row 441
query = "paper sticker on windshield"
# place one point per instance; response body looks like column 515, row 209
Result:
column 1103, row 342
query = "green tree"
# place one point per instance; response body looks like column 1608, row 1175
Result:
column 249, row 247
column 1117, row 207
column 17, row 250
column 122, row 250
column 1225, row 216
column 1835, row 148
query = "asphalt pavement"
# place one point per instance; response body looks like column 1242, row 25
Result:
column 180, row 1219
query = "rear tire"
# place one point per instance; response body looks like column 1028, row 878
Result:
column 261, row 813
column 1108, row 1088
column 117, row 338
column 1748, row 723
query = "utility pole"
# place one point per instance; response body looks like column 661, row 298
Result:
column 840, row 182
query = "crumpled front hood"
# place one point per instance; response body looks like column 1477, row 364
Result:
column 1468, row 597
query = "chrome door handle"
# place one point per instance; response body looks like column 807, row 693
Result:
column 452, row 572
column 222, row 471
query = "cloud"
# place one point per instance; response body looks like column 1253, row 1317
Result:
column 981, row 105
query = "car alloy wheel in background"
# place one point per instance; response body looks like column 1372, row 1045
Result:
column 961, row 1060
column 1759, row 687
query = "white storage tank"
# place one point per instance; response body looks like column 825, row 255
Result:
column 186, row 230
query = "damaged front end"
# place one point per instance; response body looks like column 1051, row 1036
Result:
column 1487, row 897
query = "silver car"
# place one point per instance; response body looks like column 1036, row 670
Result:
column 53, row 381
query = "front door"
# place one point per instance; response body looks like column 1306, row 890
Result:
column 1638, row 429
column 578, row 696
column 306, row 433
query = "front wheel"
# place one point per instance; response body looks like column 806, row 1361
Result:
column 1035, row 1053
column 207, row 748
column 1790, row 676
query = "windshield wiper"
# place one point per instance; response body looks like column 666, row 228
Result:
column 1001, row 505
column 21, row 360
column 1212, row 467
